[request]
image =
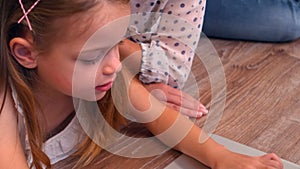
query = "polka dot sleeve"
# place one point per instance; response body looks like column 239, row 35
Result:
column 168, row 31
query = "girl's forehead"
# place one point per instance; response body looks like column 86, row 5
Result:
column 105, row 21
column 108, row 35
column 96, row 30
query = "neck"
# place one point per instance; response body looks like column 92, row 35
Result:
column 54, row 108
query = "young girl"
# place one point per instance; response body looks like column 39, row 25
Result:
column 40, row 45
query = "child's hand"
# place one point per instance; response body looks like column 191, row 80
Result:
column 238, row 161
column 177, row 100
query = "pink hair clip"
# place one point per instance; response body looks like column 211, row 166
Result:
column 26, row 13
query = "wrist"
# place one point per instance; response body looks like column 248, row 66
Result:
column 220, row 155
column 214, row 153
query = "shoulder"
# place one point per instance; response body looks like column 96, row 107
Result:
column 11, row 154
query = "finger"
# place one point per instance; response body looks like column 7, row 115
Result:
column 169, row 94
column 204, row 110
column 175, row 95
column 274, row 164
column 187, row 101
column 159, row 94
column 274, row 158
column 185, row 111
column 190, row 104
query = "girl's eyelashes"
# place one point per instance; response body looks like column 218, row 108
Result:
column 89, row 62
column 92, row 60
column 101, row 54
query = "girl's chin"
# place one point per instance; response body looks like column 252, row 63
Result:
column 100, row 96
column 96, row 97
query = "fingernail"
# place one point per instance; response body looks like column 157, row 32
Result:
column 203, row 110
column 201, row 105
column 199, row 114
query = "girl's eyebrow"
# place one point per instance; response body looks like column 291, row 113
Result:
column 102, row 48
column 92, row 46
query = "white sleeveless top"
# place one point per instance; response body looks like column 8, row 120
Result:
column 58, row 147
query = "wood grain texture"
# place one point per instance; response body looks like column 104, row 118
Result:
column 262, row 103
column 263, row 92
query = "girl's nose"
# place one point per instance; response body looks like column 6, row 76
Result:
column 111, row 62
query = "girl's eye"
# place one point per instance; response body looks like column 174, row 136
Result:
column 93, row 60
column 89, row 62
column 98, row 53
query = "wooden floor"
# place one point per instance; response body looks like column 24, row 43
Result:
column 262, row 103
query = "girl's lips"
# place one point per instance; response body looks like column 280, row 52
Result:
column 105, row 87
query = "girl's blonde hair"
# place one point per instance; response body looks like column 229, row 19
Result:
column 42, row 20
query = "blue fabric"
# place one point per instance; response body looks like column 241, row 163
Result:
column 257, row 20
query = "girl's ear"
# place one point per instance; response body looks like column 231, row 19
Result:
column 24, row 53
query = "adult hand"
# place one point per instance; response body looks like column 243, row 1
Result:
column 177, row 100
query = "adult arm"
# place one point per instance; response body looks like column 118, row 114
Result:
column 174, row 98
column 168, row 37
column 166, row 40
